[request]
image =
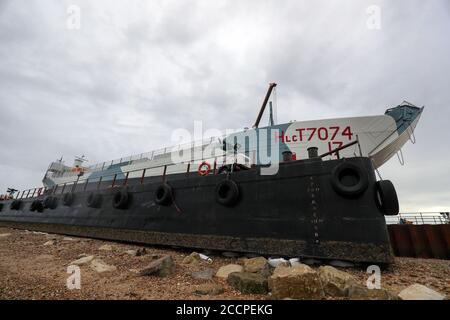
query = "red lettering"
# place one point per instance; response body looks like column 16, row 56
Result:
column 336, row 130
column 322, row 133
column 312, row 134
column 277, row 136
column 287, row 139
column 300, row 133
column 347, row 132
column 294, row 138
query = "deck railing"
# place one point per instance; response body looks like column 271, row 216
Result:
column 419, row 218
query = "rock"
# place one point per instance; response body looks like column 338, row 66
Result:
column 230, row 254
column 419, row 292
column 192, row 259
column 4, row 235
column 278, row 262
column 132, row 252
column 206, row 274
column 225, row 271
column 258, row 264
column 101, row 267
column 82, row 261
column 105, row 247
column 341, row 264
column 211, row 288
column 360, row 292
column 294, row 262
column 248, row 282
column 299, row 282
column 161, row 267
column 49, row 243
column 136, row 253
column 69, row 239
column 40, row 233
column 335, row 282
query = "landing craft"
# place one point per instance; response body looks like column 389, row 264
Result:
column 323, row 201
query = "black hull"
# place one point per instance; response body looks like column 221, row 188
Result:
column 295, row 213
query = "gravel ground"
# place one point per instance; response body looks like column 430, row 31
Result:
column 31, row 270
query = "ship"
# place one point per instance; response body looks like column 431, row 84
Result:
column 297, row 189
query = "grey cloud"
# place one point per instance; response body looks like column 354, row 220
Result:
column 137, row 70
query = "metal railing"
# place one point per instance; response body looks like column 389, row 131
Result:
column 158, row 152
column 419, row 218
column 122, row 178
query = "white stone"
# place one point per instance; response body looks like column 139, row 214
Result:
column 276, row 262
column 419, row 292
column 131, row 252
column 4, row 235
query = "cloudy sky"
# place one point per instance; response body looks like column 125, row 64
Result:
column 136, row 70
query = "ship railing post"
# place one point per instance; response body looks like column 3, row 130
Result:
column 86, row 184
column 114, row 181
column 164, row 173
column 188, row 170
column 126, row 178
column 215, row 166
column 29, row 191
column 99, row 182
column 63, row 188
column 421, row 216
column 34, row 191
column 23, row 192
column 143, row 176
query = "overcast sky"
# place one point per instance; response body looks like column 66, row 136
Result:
column 136, row 70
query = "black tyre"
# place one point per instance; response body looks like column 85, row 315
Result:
column 37, row 205
column 94, row 200
column 15, row 205
column 121, row 199
column 164, row 195
column 349, row 180
column 68, row 199
column 50, row 202
column 387, row 198
column 227, row 193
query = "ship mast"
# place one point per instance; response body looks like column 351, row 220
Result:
column 264, row 104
